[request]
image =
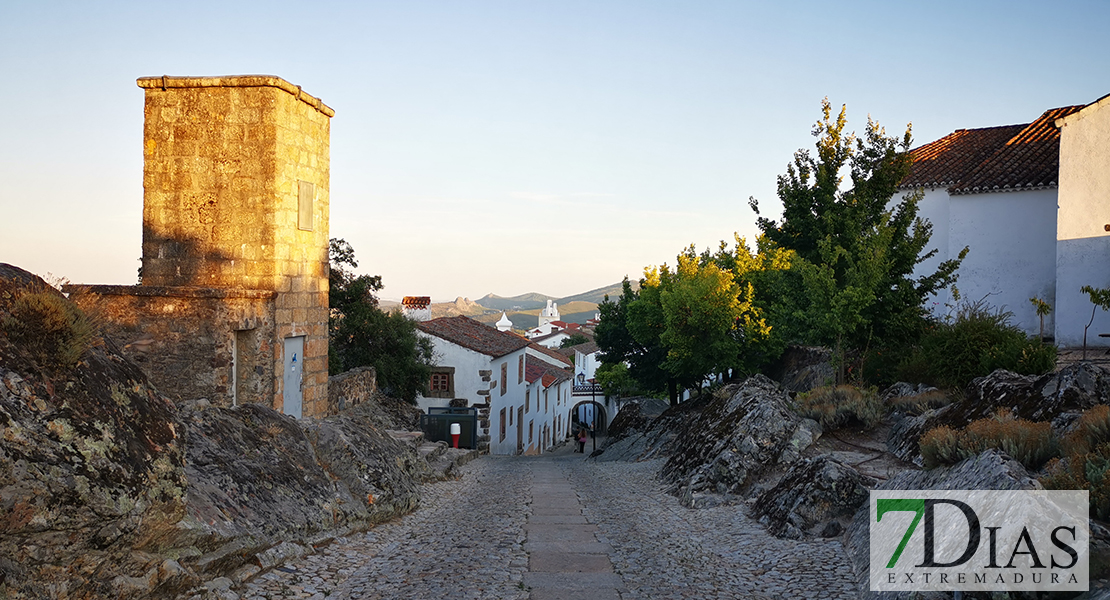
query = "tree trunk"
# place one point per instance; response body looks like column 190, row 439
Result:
column 672, row 390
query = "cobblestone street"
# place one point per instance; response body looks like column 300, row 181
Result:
column 557, row 527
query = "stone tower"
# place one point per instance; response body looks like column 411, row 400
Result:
column 234, row 292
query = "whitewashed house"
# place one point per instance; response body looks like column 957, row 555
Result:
column 477, row 366
column 1024, row 199
column 543, row 421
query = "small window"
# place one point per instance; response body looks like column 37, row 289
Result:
column 527, row 400
column 504, row 377
column 503, row 424
column 545, row 401
column 530, row 423
column 520, row 370
column 306, row 193
column 441, row 382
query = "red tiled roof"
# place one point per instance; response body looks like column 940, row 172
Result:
column 533, row 369
column 993, row 159
column 416, row 301
column 471, row 334
column 946, row 161
column 552, row 353
column 565, row 325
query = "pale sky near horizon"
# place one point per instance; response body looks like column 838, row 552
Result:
column 513, row 147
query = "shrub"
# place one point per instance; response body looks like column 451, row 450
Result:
column 979, row 340
column 54, row 331
column 919, row 403
column 1030, row 443
column 1087, row 461
column 1092, row 428
column 836, row 406
column 1084, row 472
column 939, row 446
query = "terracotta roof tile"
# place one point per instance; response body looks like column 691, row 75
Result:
column 948, row 160
column 536, row 369
column 471, row 334
column 1030, row 160
column 992, row 159
column 556, row 354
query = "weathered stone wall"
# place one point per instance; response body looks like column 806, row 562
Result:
column 236, row 178
column 347, row 390
column 186, row 339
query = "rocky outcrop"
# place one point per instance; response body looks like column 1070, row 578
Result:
column 90, row 455
column 737, row 437
column 816, row 496
column 1058, row 397
column 991, row 470
column 803, row 368
column 110, row 491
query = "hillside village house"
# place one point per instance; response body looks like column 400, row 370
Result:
column 477, row 366
column 1032, row 204
column 542, row 421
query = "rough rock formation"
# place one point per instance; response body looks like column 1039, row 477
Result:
column 89, row 456
column 734, row 440
column 1058, row 396
column 816, row 496
column 991, row 470
column 803, row 368
column 109, row 490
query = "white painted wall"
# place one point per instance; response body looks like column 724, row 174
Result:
column 1083, row 244
column 1012, row 257
column 934, row 207
column 585, row 364
column 467, row 363
column 511, row 399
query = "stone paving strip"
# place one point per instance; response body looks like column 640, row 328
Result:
column 556, row 527
column 565, row 559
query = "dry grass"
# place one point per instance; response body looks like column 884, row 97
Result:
column 836, row 406
column 1030, row 443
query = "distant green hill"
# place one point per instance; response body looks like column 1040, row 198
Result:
column 522, row 302
column 596, row 296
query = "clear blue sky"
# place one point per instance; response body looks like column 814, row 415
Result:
column 510, row 147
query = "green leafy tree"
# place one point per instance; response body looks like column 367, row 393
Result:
column 361, row 334
column 1043, row 310
column 1100, row 298
column 614, row 379
column 574, row 340
column 629, row 333
column 856, row 248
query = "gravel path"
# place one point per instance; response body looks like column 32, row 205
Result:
column 468, row 540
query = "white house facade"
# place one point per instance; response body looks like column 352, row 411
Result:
column 1024, row 200
column 477, row 366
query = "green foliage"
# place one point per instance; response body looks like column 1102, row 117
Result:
column 615, row 379
column 361, row 334
column 1031, row 443
column 840, row 405
column 574, row 340
column 688, row 324
column 1086, row 461
column 853, row 284
column 1043, row 309
column 1083, row 471
column 979, row 340
column 52, row 329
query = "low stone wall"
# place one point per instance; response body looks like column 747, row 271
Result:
column 186, row 339
column 349, row 389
